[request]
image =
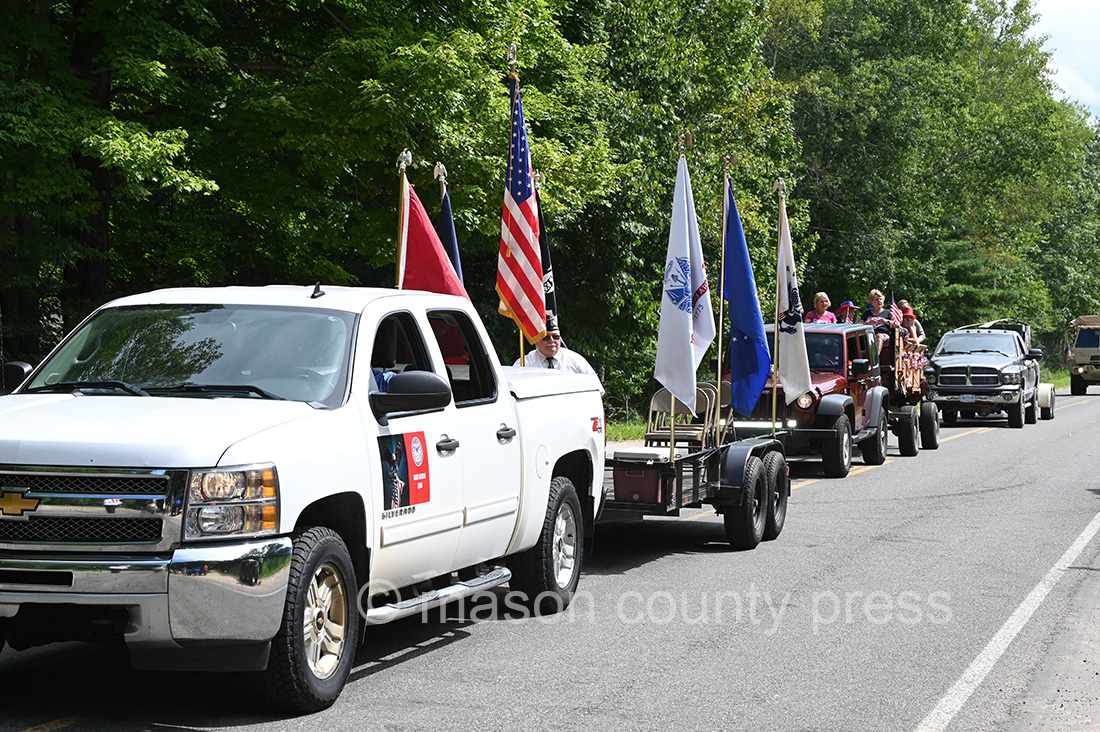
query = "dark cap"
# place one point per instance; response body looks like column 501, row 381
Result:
column 552, row 323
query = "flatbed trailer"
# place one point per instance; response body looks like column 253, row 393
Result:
column 746, row 482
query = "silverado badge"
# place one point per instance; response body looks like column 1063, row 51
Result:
column 15, row 504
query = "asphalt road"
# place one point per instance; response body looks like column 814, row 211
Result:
column 955, row 590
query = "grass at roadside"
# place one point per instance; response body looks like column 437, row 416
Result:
column 624, row 431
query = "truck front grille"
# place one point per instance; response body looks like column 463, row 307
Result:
column 81, row 484
column 969, row 376
column 69, row 530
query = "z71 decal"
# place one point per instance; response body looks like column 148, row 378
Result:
column 406, row 479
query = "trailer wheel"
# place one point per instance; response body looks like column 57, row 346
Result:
column 314, row 650
column 836, row 450
column 745, row 523
column 907, row 431
column 874, row 450
column 929, row 426
column 779, row 488
column 1047, row 412
column 548, row 573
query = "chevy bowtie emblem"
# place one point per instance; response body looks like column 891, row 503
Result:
column 14, row 504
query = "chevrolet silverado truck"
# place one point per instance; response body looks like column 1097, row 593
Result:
column 242, row 479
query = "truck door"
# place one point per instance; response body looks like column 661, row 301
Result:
column 856, row 346
column 489, row 436
column 416, row 465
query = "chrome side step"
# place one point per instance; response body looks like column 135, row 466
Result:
column 435, row 598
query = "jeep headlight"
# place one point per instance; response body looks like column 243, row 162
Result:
column 237, row 501
column 805, row 401
column 1010, row 377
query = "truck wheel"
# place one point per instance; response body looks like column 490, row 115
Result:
column 1016, row 414
column 874, row 450
column 836, row 452
column 1031, row 414
column 907, row 432
column 779, row 489
column 950, row 416
column 745, row 523
column 1047, row 412
column 929, row 426
column 314, row 650
column 1077, row 385
column 547, row 574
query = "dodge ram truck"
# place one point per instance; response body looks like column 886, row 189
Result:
column 243, row 479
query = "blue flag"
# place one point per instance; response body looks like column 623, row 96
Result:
column 445, row 227
column 750, row 360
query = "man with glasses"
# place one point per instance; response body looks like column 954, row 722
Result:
column 551, row 353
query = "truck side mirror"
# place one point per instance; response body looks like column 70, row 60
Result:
column 1034, row 354
column 861, row 367
column 14, row 374
column 410, row 391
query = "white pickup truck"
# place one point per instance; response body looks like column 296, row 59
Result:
column 243, row 478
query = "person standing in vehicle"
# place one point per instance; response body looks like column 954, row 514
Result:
column 551, row 353
column 820, row 313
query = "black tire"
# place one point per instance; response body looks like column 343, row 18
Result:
column 745, row 524
column 310, row 662
column 836, row 450
column 1048, row 412
column 1031, row 412
column 929, row 426
column 1016, row 414
column 779, row 489
column 907, row 432
column 874, row 450
column 547, row 574
column 950, row 416
column 1077, row 385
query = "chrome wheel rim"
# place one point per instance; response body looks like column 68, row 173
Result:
column 846, row 449
column 565, row 545
column 325, row 621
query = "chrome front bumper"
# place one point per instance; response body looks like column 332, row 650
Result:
column 998, row 398
column 209, row 593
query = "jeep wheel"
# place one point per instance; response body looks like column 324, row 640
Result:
column 548, row 572
column 929, row 426
column 779, row 489
column 950, row 416
column 314, row 649
column 907, row 432
column 1016, row 414
column 745, row 524
column 1031, row 415
column 874, row 450
column 836, row 449
column 1077, row 385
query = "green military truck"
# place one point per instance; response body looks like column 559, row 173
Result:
column 1084, row 367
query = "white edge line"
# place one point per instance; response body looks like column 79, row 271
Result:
column 938, row 719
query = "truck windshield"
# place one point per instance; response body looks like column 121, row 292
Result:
column 1088, row 338
column 205, row 351
column 1003, row 343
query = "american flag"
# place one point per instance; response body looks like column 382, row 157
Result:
column 895, row 313
column 519, row 268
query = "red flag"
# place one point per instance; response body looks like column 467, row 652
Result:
column 519, row 266
column 423, row 263
column 895, row 313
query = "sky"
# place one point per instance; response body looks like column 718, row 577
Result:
column 1073, row 26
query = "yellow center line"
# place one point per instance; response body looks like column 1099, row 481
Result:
column 975, row 431
column 56, row 724
column 1063, row 405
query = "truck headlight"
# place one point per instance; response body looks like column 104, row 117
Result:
column 930, row 377
column 233, row 501
column 1010, row 378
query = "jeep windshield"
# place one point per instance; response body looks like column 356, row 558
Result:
column 961, row 343
column 206, row 351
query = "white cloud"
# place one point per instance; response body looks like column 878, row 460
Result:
column 1072, row 26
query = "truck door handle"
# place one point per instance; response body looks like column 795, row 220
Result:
column 506, row 433
column 447, row 444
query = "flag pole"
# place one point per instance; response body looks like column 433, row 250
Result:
column 781, row 188
column 722, row 289
column 403, row 211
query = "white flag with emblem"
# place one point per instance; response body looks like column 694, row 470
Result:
column 793, row 363
column 687, row 320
